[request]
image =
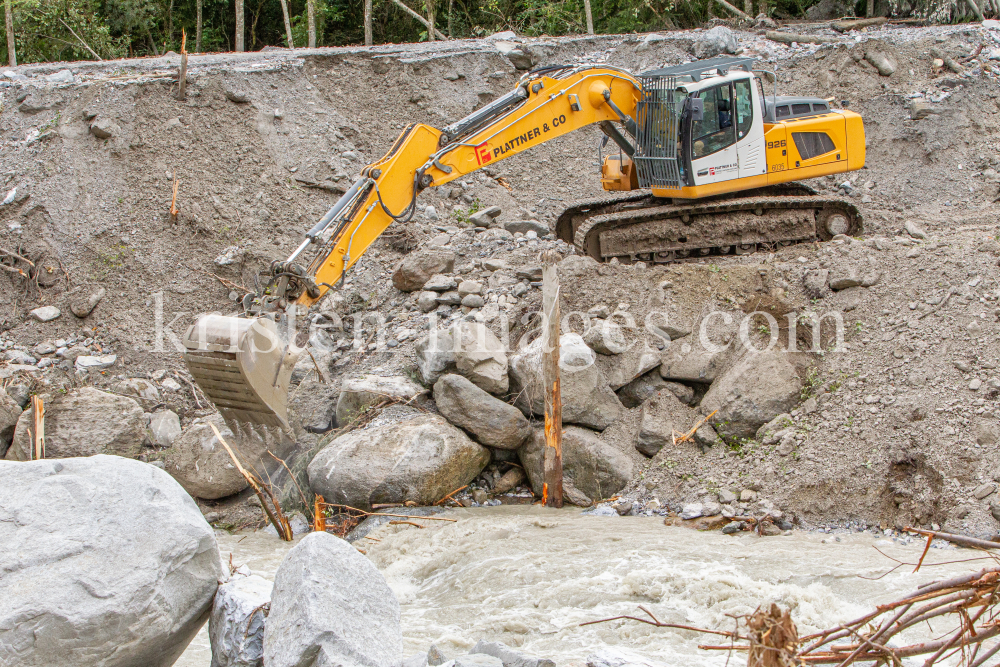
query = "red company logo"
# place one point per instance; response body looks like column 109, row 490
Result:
column 483, row 154
column 711, row 171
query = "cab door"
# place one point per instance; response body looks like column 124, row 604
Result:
column 749, row 121
column 713, row 138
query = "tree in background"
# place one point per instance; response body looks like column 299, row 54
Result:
column 8, row 15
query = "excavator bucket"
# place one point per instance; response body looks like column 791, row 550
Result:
column 243, row 366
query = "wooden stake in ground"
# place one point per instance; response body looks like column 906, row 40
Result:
column 319, row 515
column 368, row 22
column 38, row 409
column 239, row 26
column 181, row 86
column 9, row 21
column 173, row 201
column 553, row 491
column 590, row 17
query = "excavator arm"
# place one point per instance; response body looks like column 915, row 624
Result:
column 244, row 366
column 545, row 105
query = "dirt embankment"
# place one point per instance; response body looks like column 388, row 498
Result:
column 265, row 142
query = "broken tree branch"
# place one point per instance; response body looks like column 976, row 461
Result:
column 733, row 9
column 38, row 414
column 437, row 33
column 85, row 45
column 694, row 428
column 858, row 24
column 182, row 75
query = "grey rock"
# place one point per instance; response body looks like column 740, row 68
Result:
column 769, row 433
column 488, row 419
column 72, row 353
column 995, row 510
column 636, row 392
column 422, row 459
column 726, row 496
column 920, row 109
column 635, row 361
column 530, row 273
column 417, row 267
column 815, row 283
column 83, row 422
column 494, row 264
column 509, row 481
column 104, row 128
column 732, row 528
column 440, row 283
column 525, row 226
column 486, row 217
column 586, row 397
column 480, row 356
column 94, row 363
column 473, row 301
column 692, row 511
column 606, row 338
column 44, row 348
column 754, row 390
column 661, row 415
column 435, row 656
column 435, row 355
column 449, row 298
column 714, row 42
column 20, row 357
column 687, row 360
column 884, row 63
column 10, row 411
column 84, row 306
column 416, row 660
column 508, row 656
column 330, row 606
column 236, row 94
column 596, row 468
column 914, row 230
column 517, row 56
column 360, row 393
column 427, row 301
column 199, row 462
column 467, row 287
column 984, row 490
column 138, row 388
column 62, row 76
column 128, row 581
column 20, row 394
column 46, row 313
column 236, row 627
column 165, row 426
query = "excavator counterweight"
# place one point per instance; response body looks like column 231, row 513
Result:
column 708, row 162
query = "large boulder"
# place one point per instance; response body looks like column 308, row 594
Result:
column 488, row 419
column 714, row 42
column 480, row 356
column 203, row 466
column 106, row 561
column 418, row 267
column 83, row 422
column 9, row 413
column 469, row 349
column 754, row 390
column 236, row 627
column 663, row 414
column 594, row 467
column 330, row 606
column 637, row 391
column 687, row 360
column 422, row 459
column 632, row 362
column 586, row 397
column 359, row 394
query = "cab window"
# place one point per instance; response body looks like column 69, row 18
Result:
column 716, row 130
column 744, row 107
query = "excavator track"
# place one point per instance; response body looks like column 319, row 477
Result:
column 640, row 227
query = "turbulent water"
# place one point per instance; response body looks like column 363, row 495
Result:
column 528, row 577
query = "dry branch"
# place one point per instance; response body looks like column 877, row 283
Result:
column 276, row 516
column 694, row 428
column 845, row 26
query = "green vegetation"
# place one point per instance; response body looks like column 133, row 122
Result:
column 54, row 31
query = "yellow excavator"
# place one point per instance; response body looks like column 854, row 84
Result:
column 707, row 159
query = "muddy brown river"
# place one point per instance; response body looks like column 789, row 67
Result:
column 528, row 576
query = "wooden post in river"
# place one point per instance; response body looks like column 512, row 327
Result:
column 552, row 493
